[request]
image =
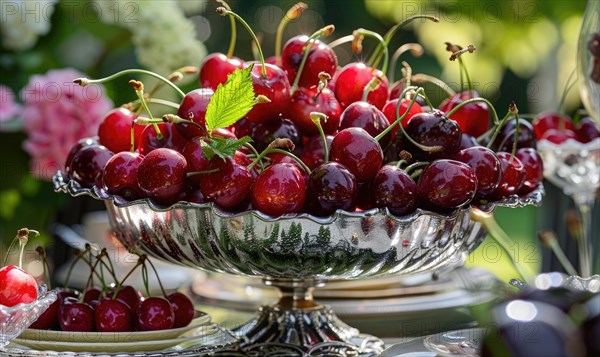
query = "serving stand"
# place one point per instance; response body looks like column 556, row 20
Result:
column 296, row 254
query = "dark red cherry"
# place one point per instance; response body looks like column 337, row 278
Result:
column 114, row 131
column 196, row 162
column 91, row 294
column 367, row 116
column 162, row 176
column 396, row 90
column 351, row 81
column 389, row 110
column 76, row 316
column 557, row 136
column 155, row 313
column 551, row 120
column 513, row 176
column 85, row 142
column 279, row 189
column 395, row 189
column 49, row 318
column 171, row 139
column 433, row 129
column 486, row 165
column 183, row 309
column 243, row 127
column 331, row 186
column 447, row 184
column 129, row 295
column 587, row 130
column 274, row 86
column 307, row 100
column 506, row 137
column 312, row 152
column 88, row 163
column 472, row 118
column 113, row 316
column 229, row 187
column 120, row 175
column 358, row 152
column 193, row 107
column 534, row 169
column 321, row 58
column 215, row 68
column 266, row 132
column 467, row 141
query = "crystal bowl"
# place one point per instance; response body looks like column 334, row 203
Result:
column 15, row 319
column 296, row 253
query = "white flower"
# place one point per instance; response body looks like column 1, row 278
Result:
column 164, row 38
column 23, row 21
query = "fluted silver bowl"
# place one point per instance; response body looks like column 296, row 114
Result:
column 346, row 245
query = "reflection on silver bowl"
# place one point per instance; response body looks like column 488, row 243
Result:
column 296, row 253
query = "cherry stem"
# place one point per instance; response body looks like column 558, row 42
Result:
column 293, row 13
column 23, row 237
column 86, row 81
column 316, row 118
column 373, row 83
column 497, row 128
column 512, row 108
column 414, row 48
column 140, row 261
column 416, row 174
column 223, row 12
column 255, row 152
column 166, row 103
column 324, row 78
column 90, row 281
column 416, row 165
column 132, row 138
column 474, row 100
column 233, row 38
column 425, row 78
column 139, row 91
column 496, row 232
column 376, row 57
column 175, row 119
column 278, row 151
column 44, row 259
column 174, row 77
column 325, row 31
column 78, row 255
column 382, row 43
column 407, row 73
column 549, row 239
column 340, row 41
column 194, row 173
column 145, row 279
column 399, row 163
column 162, row 289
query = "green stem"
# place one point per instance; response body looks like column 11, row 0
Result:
column 497, row 129
column 341, row 40
column 145, row 279
column 474, row 100
column 425, row 78
column 278, row 151
column 223, row 11
column 86, row 81
column 318, row 34
column 157, row 278
column 293, row 13
column 415, row 48
column 140, row 95
column 166, row 103
column 233, row 38
column 316, row 118
column 382, row 43
column 120, row 283
column 70, row 271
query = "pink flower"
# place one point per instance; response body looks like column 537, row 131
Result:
column 9, row 108
column 57, row 113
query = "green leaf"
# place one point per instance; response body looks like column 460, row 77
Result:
column 231, row 101
column 223, row 147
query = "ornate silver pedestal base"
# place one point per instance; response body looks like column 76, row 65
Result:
column 297, row 326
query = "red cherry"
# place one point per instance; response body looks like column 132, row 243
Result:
column 389, row 110
column 88, row 163
column 114, row 131
column 358, row 151
column 120, row 175
column 395, row 189
column 279, row 189
column 321, row 58
column 155, row 313
column 433, row 129
column 265, row 133
column 215, row 68
column 162, row 175
column 229, row 187
column 550, row 120
column 367, row 116
column 91, row 294
column 49, row 318
column 447, row 184
column 513, row 176
column 274, row 86
column 76, row 316
column 85, row 142
column 113, row 316
column 305, row 100
column 558, row 136
column 196, row 161
column 587, row 130
column 331, row 187
column 172, row 139
column 183, row 308
column 129, row 295
column 351, row 81
column 506, row 137
column 313, row 154
column 472, row 118
column 193, row 107
column 534, row 169
column 16, row 286
column 486, row 165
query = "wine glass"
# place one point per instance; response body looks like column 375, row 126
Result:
column 296, row 254
column 588, row 63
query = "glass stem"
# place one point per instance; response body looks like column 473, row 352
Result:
column 585, row 204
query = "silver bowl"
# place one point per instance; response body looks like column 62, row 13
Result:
column 297, row 253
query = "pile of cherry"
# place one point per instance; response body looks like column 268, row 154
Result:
column 359, row 143
column 108, row 308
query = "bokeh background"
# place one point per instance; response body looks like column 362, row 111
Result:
column 526, row 51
